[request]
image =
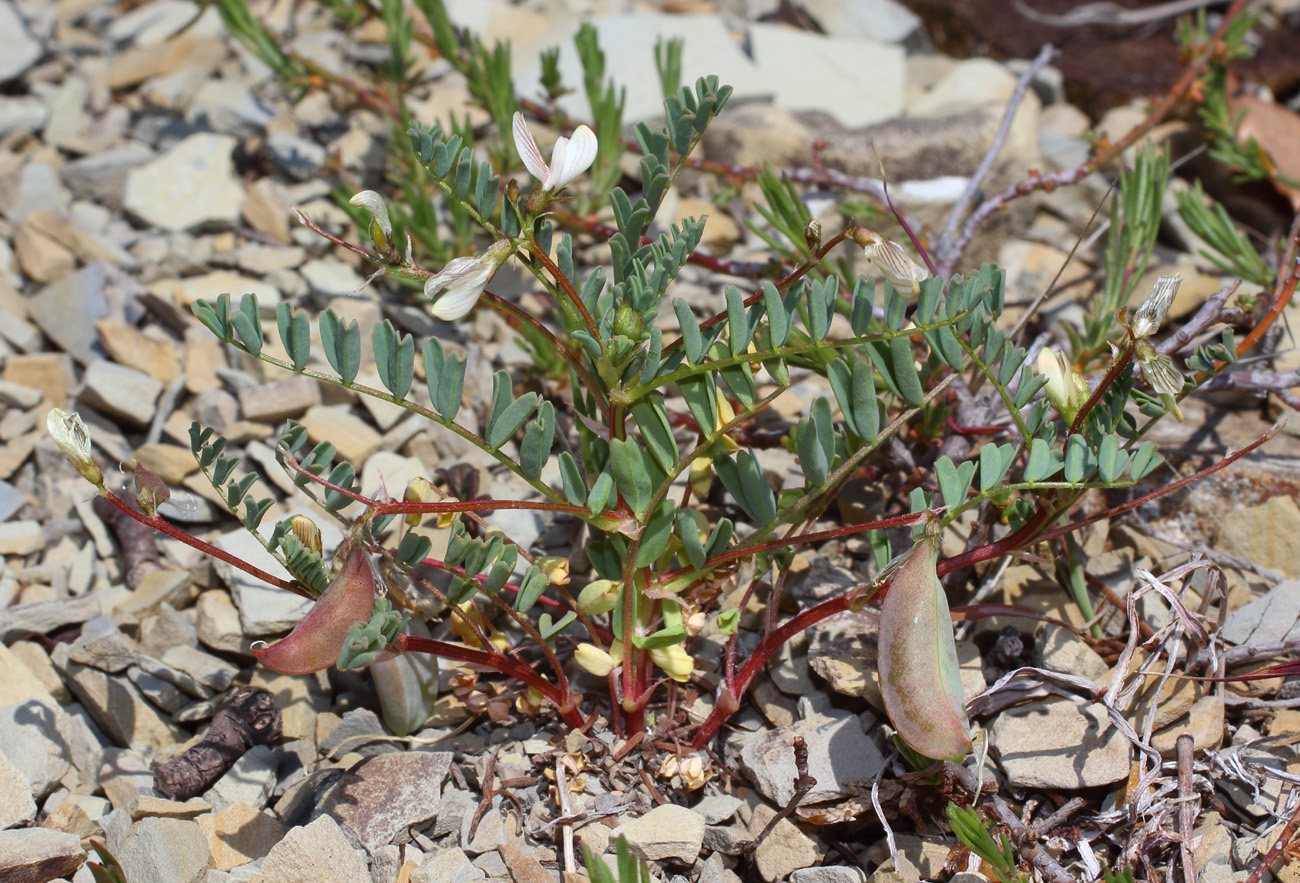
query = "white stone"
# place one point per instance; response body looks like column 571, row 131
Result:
column 885, row 20
column 813, row 72
column 16, row 803
column 21, row 50
column 314, row 853
column 192, row 186
column 22, row 114
column 121, row 392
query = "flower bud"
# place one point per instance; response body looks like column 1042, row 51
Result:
column 1066, row 390
column 594, row 660
column 1151, row 315
column 381, row 229
column 905, row 274
column 555, row 568
column 418, row 490
column 306, row 532
column 73, row 439
column 675, row 662
column 701, row 476
column 599, row 596
column 150, row 491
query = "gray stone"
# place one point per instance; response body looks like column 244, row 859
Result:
column 300, row 158
column 120, row 392
column 125, row 776
column 21, row 537
column 1059, row 744
column 165, row 629
column 21, row 49
column 22, row 114
column 217, row 622
column 17, row 395
column 16, row 803
column 208, row 670
column 35, row 737
column 1066, row 652
column 190, row 187
column 68, row 309
column 157, row 691
column 666, row 832
column 102, row 645
column 250, row 781
column 264, row 610
column 386, row 794
column 718, row 808
column 1266, row 619
column 181, row 680
column 101, row 177
column 229, row 107
column 35, row 855
column 838, row 750
column 280, row 400
column 117, row 706
column 35, row 187
column 786, row 848
column 330, row 277
column 160, row 850
column 314, row 853
column 829, row 874
column 447, row 866
column 350, row 736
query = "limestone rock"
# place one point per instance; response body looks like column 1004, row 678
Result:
column 666, row 832
column 1264, row 534
column 786, row 848
column 388, row 793
column 16, row 803
column 160, row 850
column 190, row 187
column 239, row 835
column 838, row 750
column 21, row 49
column 314, row 853
column 36, row 739
column 36, row 855
column 1059, row 744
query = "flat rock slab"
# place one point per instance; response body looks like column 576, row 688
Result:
column 37, row 855
column 666, row 832
column 158, row 850
column 315, row 853
column 388, row 793
column 1059, row 744
column 837, row 750
column 192, row 186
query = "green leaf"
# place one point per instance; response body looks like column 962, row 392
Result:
column 701, row 398
column 658, row 531
column 295, row 334
column 737, row 322
column 692, row 339
column 1076, row 458
column 954, row 481
column 1044, row 461
column 1145, row 460
column 777, row 319
column 628, row 466
column 602, row 493
column 505, row 417
column 688, row 532
column 1111, row 461
column 342, row 343
column 530, row 589
column 394, row 359
column 656, row 431
column 248, row 325
column 575, row 489
column 904, row 371
column 413, row 549
column 995, row 460
column 549, row 630
column 744, row 480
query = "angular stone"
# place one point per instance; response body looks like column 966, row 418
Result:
column 125, row 777
column 249, row 781
column 102, row 645
column 157, row 587
column 159, row 850
column 120, row 392
column 45, row 616
column 354, row 438
column 128, row 345
column 205, row 668
column 1203, row 722
column 21, row 537
column 838, row 750
column 37, row 855
column 147, row 805
column 314, row 853
column 16, row 803
column 26, row 673
column 134, row 66
column 101, row 177
column 66, row 310
column 267, row 209
column 22, row 50
column 239, row 835
column 1059, row 744
column 280, row 400
column 217, row 622
column 667, row 832
column 22, row 114
column 1266, row 619
column 786, row 848
column 330, row 277
column 41, row 258
column 51, row 373
column 190, row 187
column 36, row 739
column 1264, row 534
column 118, row 707
column 388, row 793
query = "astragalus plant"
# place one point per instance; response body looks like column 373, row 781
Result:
column 651, row 417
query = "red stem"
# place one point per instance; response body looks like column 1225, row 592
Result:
column 497, row 662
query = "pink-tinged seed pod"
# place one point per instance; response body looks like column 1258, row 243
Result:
column 919, row 675
column 315, row 642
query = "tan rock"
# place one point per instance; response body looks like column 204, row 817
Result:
column 171, row 463
column 201, row 355
column 278, row 401
column 720, row 231
column 267, row 209
column 145, row 806
column 40, row 257
column 42, row 678
column 239, row 835
column 134, row 66
column 51, row 373
column 128, row 345
column 13, row 454
column 354, row 438
column 1203, row 722
column 1264, row 534
column 87, row 247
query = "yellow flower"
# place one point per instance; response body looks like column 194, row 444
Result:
column 675, row 662
column 599, row 596
column 594, row 660
column 1066, row 390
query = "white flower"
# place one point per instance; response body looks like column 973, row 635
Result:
column 1160, row 374
column 569, row 159
column 72, row 437
column 464, row 280
column 905, row 274
column 381, row 229
column 1151, row 315
column 1066, row 390
column 594, row 660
